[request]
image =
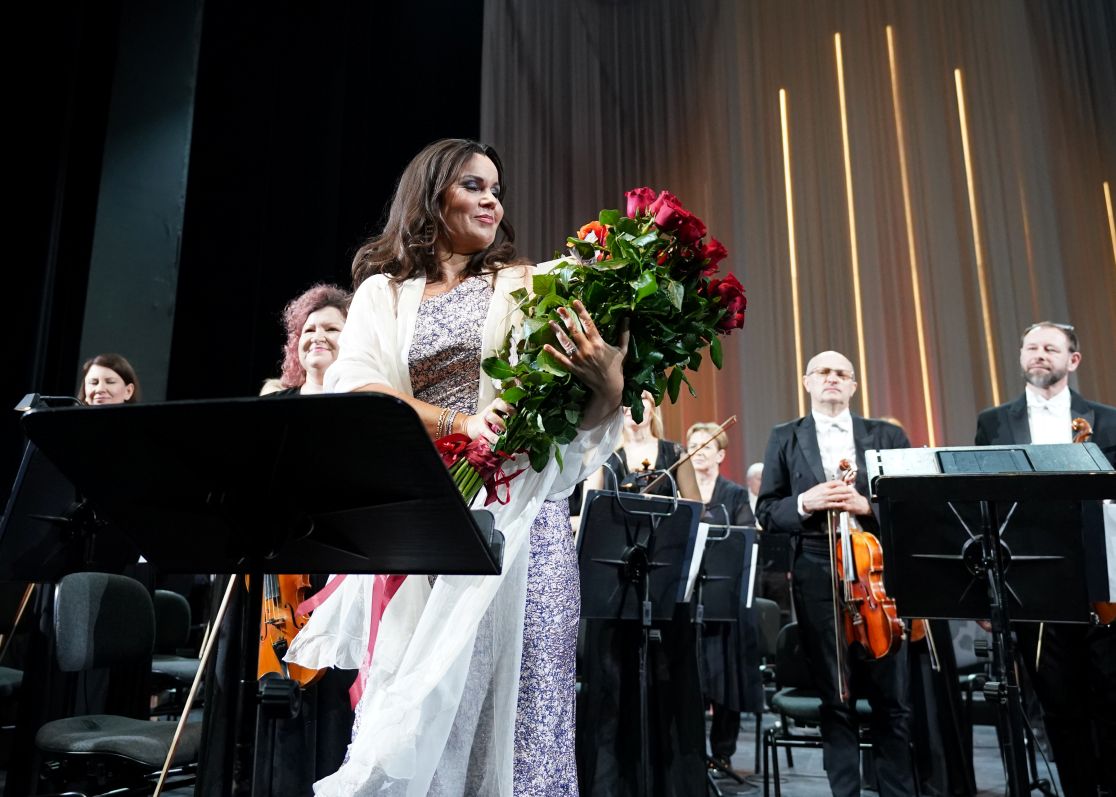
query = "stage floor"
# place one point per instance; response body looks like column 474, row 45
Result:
column 807, row 779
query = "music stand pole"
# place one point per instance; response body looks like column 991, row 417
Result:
column 1005, row 690
column 644, row 648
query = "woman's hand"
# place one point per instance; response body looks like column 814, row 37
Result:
column 489, row 423
column 589, row 357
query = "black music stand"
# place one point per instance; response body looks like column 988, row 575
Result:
column 725, row 585
column 992, row 528
column 225, row 487
column 633, row 553
column 49, row 530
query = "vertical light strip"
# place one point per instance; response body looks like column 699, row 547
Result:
column 912, row 254
column 978, row 246
column 853, row 250
column 1111, row 223
column 793, row 250
column 1031, row 276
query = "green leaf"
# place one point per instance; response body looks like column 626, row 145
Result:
column 715, row 353
column 644, row 240
column 609, row 218
column 539, row 456
column 674, row 382
column 558, row 457
column 645, row 285
column 573, row 415
column 636, row 406
column 513, row 394
column 695, row 361
column 687, row 381
column 497, row 368
column 675, row 293
column 549, row 364
column 542, row 284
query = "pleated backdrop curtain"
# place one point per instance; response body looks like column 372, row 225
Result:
column 587, row 98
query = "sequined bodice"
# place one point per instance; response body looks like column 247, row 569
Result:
column 444, row 358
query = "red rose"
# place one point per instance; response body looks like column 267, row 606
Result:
column 712, row 254
column 667, row 211
column 691, row 229
column 666, row 197
column 729, row 293
column 639, row 200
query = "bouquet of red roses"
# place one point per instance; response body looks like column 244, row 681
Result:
column 651, row 267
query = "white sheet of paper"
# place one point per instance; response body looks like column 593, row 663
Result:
column 1109, row 510
column 695, row 560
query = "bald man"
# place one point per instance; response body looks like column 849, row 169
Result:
column 799, row 488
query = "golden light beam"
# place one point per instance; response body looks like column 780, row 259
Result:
column 912, row 254
column 793, row 250
column 978, row 246
column 853, row 249
column 1111, row 223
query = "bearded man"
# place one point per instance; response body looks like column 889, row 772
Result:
column 1075, row 676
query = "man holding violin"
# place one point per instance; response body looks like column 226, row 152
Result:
column 1073, row 667
column 801, row 487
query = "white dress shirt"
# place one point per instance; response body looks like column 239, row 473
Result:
column 1051, row 420
column 835, row 442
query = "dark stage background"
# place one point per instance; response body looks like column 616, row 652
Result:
column 185, row 170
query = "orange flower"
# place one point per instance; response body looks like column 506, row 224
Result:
column 595, row 227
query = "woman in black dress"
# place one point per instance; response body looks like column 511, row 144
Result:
column 730, row 653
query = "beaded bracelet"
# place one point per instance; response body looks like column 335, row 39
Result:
column 439, row 427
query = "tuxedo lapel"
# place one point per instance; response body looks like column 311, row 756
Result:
column 864, row 441
column 807, row 436
column 1079, row 408
column 1017, row 421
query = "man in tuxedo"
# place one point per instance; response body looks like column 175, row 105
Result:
column 800, row 486
column 1075, row 679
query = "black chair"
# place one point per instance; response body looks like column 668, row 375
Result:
column 172, row 671
column 768, row 620
column 798, row 707
column 106, row 620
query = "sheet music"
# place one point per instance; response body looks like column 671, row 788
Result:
column 695, row 560
column 1109, row 510
column 752, row 574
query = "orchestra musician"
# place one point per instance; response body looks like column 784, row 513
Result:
column 1075, row 677
column 799, row 488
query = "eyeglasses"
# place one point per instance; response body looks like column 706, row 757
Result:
column 825, row 373
column 1055, row 324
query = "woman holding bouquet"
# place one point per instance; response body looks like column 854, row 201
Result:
column 471, row 687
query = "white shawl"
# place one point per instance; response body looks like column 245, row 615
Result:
column 426, row 636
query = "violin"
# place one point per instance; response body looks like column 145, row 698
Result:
column 863, row 612
column 279, row 624
column 1105, row 611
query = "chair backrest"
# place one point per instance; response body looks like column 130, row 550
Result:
column 790, row 660
column 102, row 620
column 172, row 621
column 767, row 626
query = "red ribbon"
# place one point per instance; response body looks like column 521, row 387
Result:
column 383, row 590
column 497, row 480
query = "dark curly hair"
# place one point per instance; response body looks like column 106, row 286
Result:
column 405, row 248
column 294, row 318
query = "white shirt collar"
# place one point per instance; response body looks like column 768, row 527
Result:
column 1057, row 403
column 842, row 420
